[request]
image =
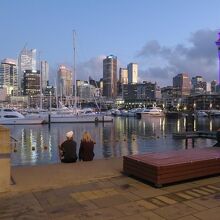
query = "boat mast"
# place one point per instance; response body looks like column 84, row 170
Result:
column 74, row 67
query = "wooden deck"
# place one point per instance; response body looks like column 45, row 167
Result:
column 173, row 166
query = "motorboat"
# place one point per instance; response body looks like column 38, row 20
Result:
column 11, row 117
column 215, row 113
column 201, row 114
column 151, row 111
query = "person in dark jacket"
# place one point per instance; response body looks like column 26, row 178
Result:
column 86, row 147
column 68, row 149
column 217, row 138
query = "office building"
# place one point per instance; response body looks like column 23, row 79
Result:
column 26, row 61
column 213, row 85
column 31, row 82
column 132, row 73
column 198, row 85
column 44, row 70
column 8, row 76
column 123, row 76
column 182, row 84
column 110, row 77
column 86, row 91
column 64, row 81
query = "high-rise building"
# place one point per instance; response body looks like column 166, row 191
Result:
column 182, row 84
column 64, row 81
column 44, row 70
column 26, row 61
column 123, row 76
column 198, row 84
column 218, row 45
column 132, row 72
column 110, row 76
column 213, row 85
column 8, row 76
column 31, row 82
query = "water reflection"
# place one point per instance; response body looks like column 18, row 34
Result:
column 125, row 136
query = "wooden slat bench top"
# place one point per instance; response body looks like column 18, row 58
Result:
column 178, row 156
column 173, row 166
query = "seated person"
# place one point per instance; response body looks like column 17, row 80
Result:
column 86, row 147
column 217, row 138
column 67, row 150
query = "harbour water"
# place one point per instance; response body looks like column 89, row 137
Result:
column 37, row 144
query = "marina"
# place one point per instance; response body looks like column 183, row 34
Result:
column 37, row 144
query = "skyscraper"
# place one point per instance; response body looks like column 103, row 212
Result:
column 110, row 76
column 182, row 84
column 64, row 81
column 31, row 82
column 8, row 76
column 26, row 61
column 218, row 45
column 44, row 70
column 123, row 76
column 132, row 72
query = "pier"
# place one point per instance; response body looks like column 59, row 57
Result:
column 195, row 134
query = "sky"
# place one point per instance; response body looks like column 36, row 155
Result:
column 165, row 37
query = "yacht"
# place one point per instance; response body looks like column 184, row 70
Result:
column 201, row 114
column 215, row 113
column 151, row 111
column 11, row 117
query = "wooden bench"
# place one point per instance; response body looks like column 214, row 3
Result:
column 173, row 166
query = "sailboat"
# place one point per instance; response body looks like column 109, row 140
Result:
column 76, row 115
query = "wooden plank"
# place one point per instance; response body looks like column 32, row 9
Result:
column 161, row 168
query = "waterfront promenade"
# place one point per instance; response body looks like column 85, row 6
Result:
column 98, row 190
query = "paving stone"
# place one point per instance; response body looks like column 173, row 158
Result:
column 88, row 205
column 175, row 211
column 193, row 194
column 157, row 202
column 146, row 204
column 188, row 217
column 184, row 195
column 110, row 201
column 166, row 200
column 208, row 201
column 202, row 192
column 100, row 214
column 133, row 217
column 130, row 196
column 150, row 192
column 213, row 214
column 65, row 210
column 179, row 187
column 131, row 208
column 151, row 216
column 206, row 181
column 194, row 205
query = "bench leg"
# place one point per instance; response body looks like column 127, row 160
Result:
column 157, row 185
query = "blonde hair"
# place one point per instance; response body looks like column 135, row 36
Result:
column 87, row 137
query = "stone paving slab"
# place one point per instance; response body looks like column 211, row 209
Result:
column 118, row 197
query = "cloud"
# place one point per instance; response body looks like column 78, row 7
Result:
column 92, row 67
column 199, row 57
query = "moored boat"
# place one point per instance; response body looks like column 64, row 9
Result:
column 11, row 117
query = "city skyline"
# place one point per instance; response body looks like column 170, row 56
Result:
column 161, row 37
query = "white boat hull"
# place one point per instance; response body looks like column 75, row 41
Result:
column 21, row 121
column 79, row 118
column 159, row 114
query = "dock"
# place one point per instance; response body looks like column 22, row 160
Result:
column 173, row 166
column 195, row 134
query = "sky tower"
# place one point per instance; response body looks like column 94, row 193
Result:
column 218, row 45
